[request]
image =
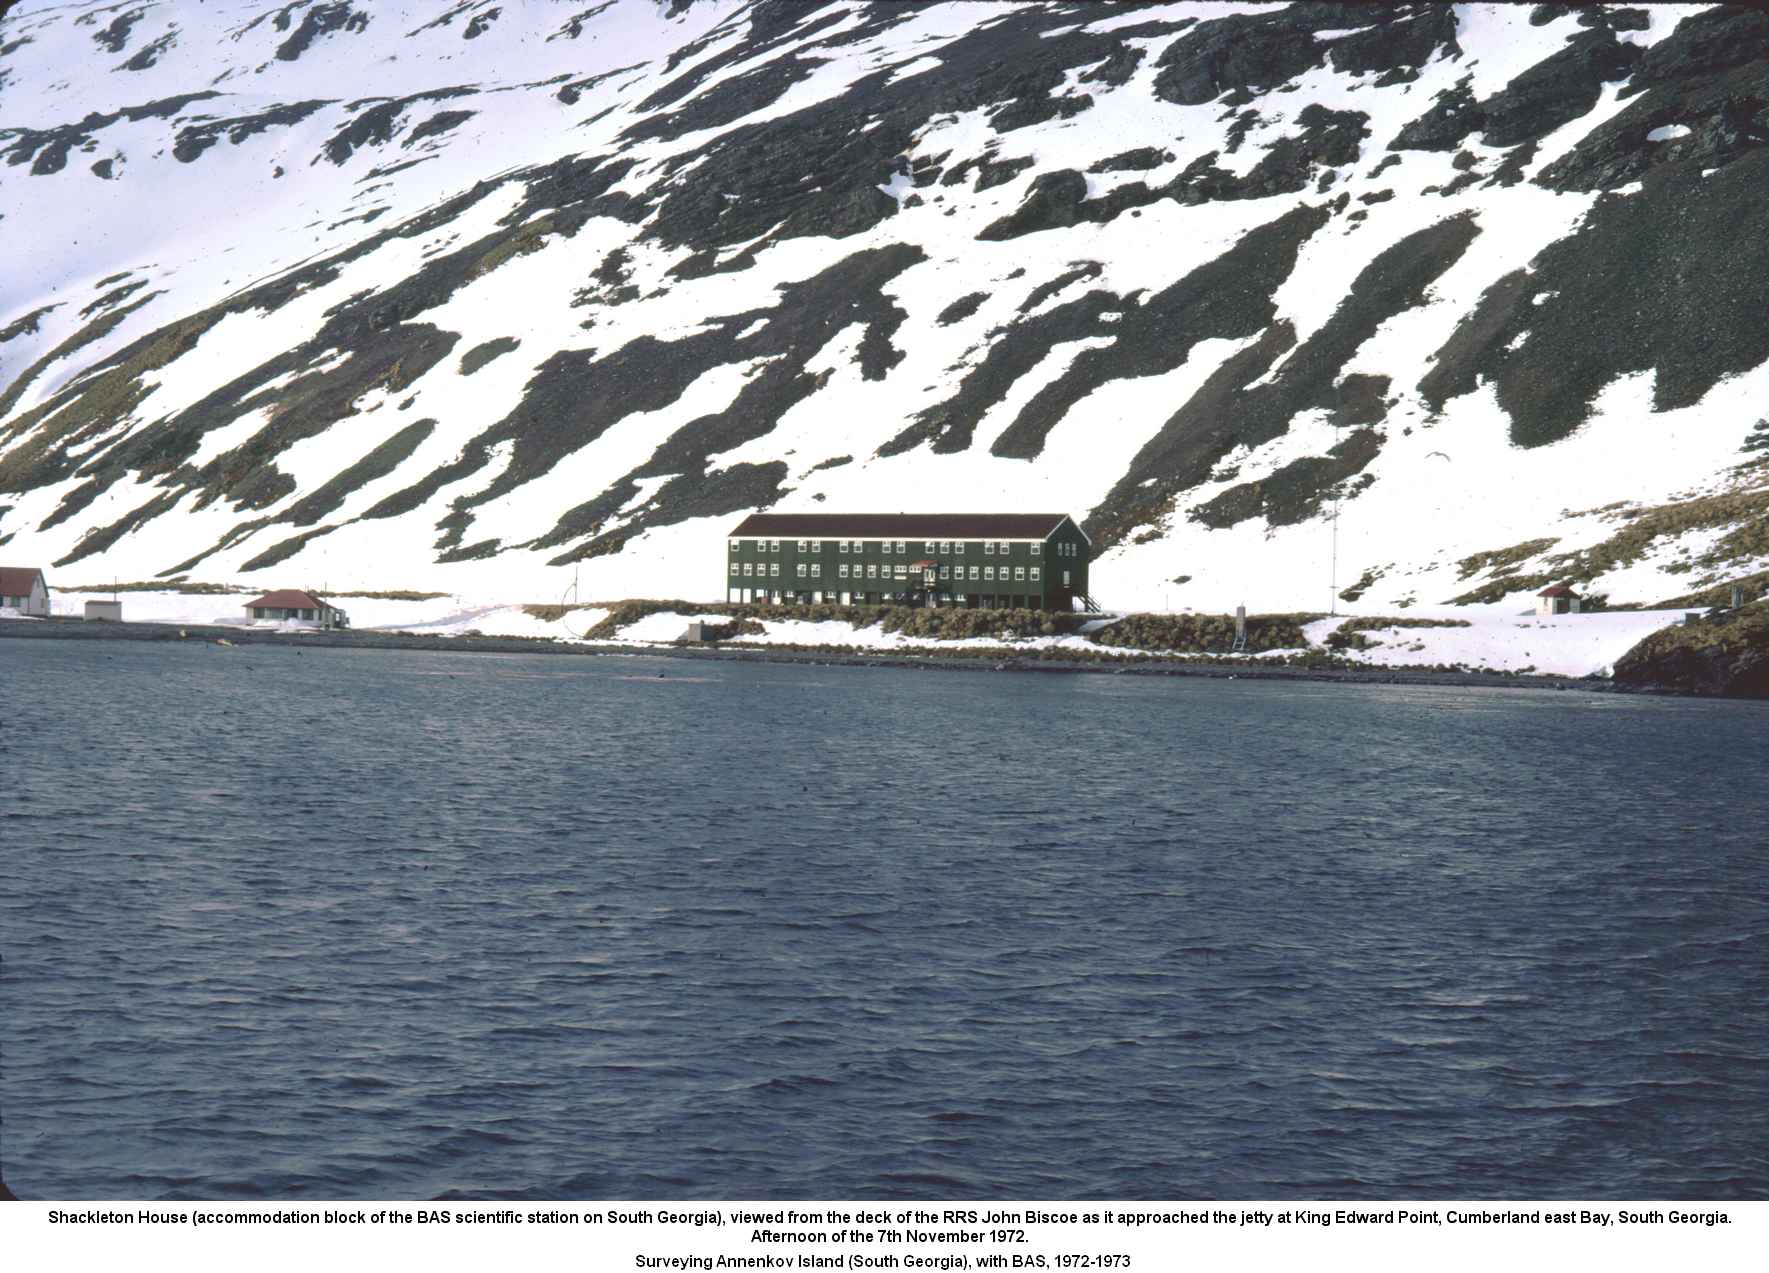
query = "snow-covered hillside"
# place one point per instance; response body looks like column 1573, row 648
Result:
column 473, row 297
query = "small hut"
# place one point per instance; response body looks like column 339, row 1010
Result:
column 1557, row 598
column 104, row 611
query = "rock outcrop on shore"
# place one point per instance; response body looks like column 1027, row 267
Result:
column 1726, row 653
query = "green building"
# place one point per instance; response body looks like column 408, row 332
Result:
column 988, row 561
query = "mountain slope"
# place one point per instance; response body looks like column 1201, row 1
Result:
column 472, row 297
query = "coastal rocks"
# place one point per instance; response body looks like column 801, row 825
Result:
column 1726, row 655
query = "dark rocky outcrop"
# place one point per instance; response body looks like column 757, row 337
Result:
column 1726, row 653
column 1642, row 284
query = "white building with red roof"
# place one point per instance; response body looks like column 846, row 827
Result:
column 24, row 590
column 292, row 605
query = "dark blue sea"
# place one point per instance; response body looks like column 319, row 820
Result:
column 288, row 924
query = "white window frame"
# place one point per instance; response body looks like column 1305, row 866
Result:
column 773, row 545
column 902, row 571
column 872, row 570
column 748, row 568
column 902, row 547
column 842, row 547
column 734, row 570
column 1034, row 574
column 1037, row 550
column 989, row 574
column 945, row 572
column 1019, row 573
column 816, row 570
column 774, row 568
column 804, row 570
column 988, row 548
column 974, row 575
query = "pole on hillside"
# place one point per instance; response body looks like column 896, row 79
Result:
column 1333, row 569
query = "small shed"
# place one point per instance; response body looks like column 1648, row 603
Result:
column 104, row 611
column 1557, row 599
column 23, row 589
column 699, row 630
column 293, row 605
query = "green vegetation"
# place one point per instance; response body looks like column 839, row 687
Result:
column 530, row 237
column 1503, row 561
column 937, row 625
column 1744, row 514
column 959, row 625
column 1203, row 633
column 1364, row 583
column 1754, row 585
column 394, row 595
column 162, row 585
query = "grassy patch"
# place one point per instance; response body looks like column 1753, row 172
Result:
column 913, row 621
column 1745, row 513
column 394, row 595
column 1503, row 561
column 185, row 589
column 1203, row 633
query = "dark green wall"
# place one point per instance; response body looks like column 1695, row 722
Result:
column 1047, row 592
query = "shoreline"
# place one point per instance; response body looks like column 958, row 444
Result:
column 1006, row 661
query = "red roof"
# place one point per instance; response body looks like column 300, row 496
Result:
column 1557, row 590
column 16, row 581
column 287, row 599
column 923, row 565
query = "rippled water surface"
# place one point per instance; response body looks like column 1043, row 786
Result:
column 282, row 923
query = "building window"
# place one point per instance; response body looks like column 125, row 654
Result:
column 1019, row 572
column 748, row 568
column 803, row 570
column 773, row 545
column 988, row 547
column 843, row 570
column 1004, row 548
column 816, row 570
column 773, row 568
column 989, row 572
column 973, row 572
column 804, row 547
column 733, row 568
column 871, row 570
column 842, row 546
column 1037, row 549
column 1034, row 574
column 945, row 572
column 902, row 547
column 1065, row 579
column 816, row 545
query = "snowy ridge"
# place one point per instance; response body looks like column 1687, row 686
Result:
column 502, row 296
